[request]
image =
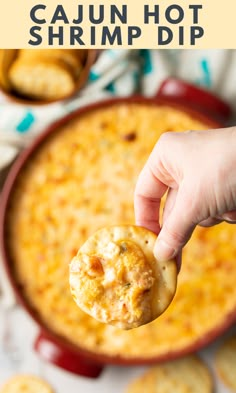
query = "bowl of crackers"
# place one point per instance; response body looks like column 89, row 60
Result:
column 42, row 76
column 78, row 177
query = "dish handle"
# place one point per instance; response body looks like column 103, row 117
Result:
column 195, row 97
column 73, row 361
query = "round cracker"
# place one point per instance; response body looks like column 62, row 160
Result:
column 187, row 375
column 225, row 362
column 26, row 384
column 41, row 79
column 69, row 56
column 116, row 279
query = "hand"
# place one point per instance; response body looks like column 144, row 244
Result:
column 197, row 169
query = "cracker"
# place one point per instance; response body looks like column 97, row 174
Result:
column 26, row 384
column 187, row 375
column 116, row 279
column 225, row 362
column 70, row 57
column 41, row 79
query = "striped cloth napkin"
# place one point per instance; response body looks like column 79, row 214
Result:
column 120, row 73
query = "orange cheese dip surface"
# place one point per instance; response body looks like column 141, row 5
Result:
column 82, row 179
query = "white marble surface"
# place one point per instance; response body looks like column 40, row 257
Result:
column 17, row 334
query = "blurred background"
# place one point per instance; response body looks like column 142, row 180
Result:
column 83, row 76
column 38, row 87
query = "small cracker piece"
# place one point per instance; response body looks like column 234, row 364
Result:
column 26, row 384
column 41, row 79
column 186, row 375
column 225, row 362
column 116, row 279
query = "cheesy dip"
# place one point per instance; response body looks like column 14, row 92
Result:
column 81, row 179
column 116, row 279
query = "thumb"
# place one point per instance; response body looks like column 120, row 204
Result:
column 176, row 230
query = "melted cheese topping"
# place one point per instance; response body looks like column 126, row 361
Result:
column 83, row 179
column 116, row 279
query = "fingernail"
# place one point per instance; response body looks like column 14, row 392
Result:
column 230, row 218
column 162, row 251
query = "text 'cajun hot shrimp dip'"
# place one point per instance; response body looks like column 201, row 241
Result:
column 116, row 279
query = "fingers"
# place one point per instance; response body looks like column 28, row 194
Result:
column 147, row 198
column 152, row 184
column 169, row 202
column 229, row 217
column 210, row 222
column 199, row 190
column 176, row 230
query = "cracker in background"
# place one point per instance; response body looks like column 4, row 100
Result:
column 71, row 57
column 225, row 362
column 41, row 79
column 26, row 384
column 187, row 375
column 116, row 279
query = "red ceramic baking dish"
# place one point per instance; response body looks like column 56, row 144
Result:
column 202, row 106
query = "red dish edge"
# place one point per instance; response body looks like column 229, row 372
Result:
column 61, row 352
column 200, row 99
